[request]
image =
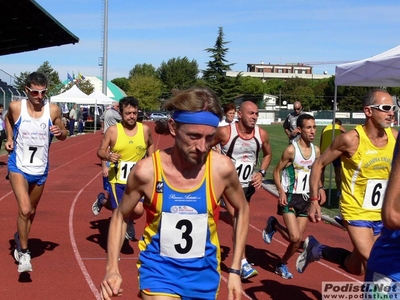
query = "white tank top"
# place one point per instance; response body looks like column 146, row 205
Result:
column 32, row 139
column 243, row 152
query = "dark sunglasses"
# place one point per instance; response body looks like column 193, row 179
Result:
column 384, row 107
column 35, row 93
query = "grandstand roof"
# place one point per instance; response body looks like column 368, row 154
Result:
column 26, row 26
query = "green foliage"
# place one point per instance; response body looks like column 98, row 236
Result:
column 122, row 83
column 147, row 89
column 251, row 85
column 143, row 70
column 177, row 73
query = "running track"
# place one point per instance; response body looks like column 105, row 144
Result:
column 68, row 243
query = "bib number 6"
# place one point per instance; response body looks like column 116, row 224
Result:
column 374, row 194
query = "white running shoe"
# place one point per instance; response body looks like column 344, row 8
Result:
column 97, row 206
column 24, row 262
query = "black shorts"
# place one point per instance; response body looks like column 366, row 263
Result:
column 296, row 205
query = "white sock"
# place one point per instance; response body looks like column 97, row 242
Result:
column 244, row 261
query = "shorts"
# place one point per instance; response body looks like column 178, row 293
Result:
column 106, row 184
column 296, row 205
column 382, row 280
column 115, row 191
column 248, row 192
column 375, row 225
column 337, row 162
column 31, row 179
column 169, row 293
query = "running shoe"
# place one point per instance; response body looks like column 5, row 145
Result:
column 97, row 206
column 247, row 271
column 269, row 231
column 312, row 251
column 24, row 262
column 282, row 270
column 339, row 220
column 130, row 231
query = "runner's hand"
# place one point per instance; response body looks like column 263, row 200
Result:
column 111, row 286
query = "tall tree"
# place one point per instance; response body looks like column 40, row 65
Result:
column 147, row 89
column 122, row 83
column 143, row 70
column 177, row 73
column 214, row 74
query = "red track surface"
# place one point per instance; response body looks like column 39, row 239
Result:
column 68, row 243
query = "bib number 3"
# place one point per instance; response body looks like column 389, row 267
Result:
column 183, row 235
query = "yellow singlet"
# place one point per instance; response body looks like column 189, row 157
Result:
column 364, row 178
column 131, row 148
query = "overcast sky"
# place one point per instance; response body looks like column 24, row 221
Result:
column 153, row 31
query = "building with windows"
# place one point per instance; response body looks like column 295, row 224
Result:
column 277, row 71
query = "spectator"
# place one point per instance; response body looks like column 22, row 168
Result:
column 73, row 115
column 290, row 124
column 81, row 121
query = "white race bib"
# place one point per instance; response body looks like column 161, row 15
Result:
column 303, row 182
column 244, row 171
column 374, row 193
column 32, row 156
column 183, row 235
column 124, row 168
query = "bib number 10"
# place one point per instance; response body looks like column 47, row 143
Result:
column 244, row 171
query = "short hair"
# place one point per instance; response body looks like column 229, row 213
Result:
column 193, row 100
column 128, row 101
column 302, row 117
column 338, row 121
column 228, row 107
column 36, row 78
column 369, row 98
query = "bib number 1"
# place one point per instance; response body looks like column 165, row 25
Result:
column 125, row 168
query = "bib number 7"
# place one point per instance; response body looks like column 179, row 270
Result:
column 32, row 156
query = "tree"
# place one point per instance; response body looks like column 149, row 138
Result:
column 177, row 73
column 147, row 89
column 122, row 83
column 143, row 70
column 53, row 78
column 214, row 74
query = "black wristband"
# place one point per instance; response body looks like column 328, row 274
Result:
column 234, row 271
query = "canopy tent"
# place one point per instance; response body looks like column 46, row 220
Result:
column 73, row 95
column 381, row 70
column 101, row 98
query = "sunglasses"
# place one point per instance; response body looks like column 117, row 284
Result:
column 36, row 92
column 384, row 107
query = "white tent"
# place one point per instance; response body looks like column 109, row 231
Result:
column 381, row 70
column 101, row 98
column 73, row 95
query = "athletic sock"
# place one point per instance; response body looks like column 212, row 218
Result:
column 335, row 255
column 25, row 250
column 244, row 261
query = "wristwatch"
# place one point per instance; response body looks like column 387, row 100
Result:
column 262, row 172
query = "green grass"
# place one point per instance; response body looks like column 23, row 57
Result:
column 279, row 142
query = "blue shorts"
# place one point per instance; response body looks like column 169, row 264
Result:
column 106, row 184
column 375, row 225
column 31, row 179
column 115, row 191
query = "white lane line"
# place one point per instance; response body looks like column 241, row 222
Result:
column 74, row 245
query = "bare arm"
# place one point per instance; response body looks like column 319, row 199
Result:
column 105, row 150
column 391, row 204
column 149, row 140
column 345, row 144
column 221, row 136
column 227, row 182
column 58, row 128
column 14, row 110
column 286, row 159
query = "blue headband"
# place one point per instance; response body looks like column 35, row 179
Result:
column 196, row 117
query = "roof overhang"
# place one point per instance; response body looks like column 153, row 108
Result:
column 26, row 26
